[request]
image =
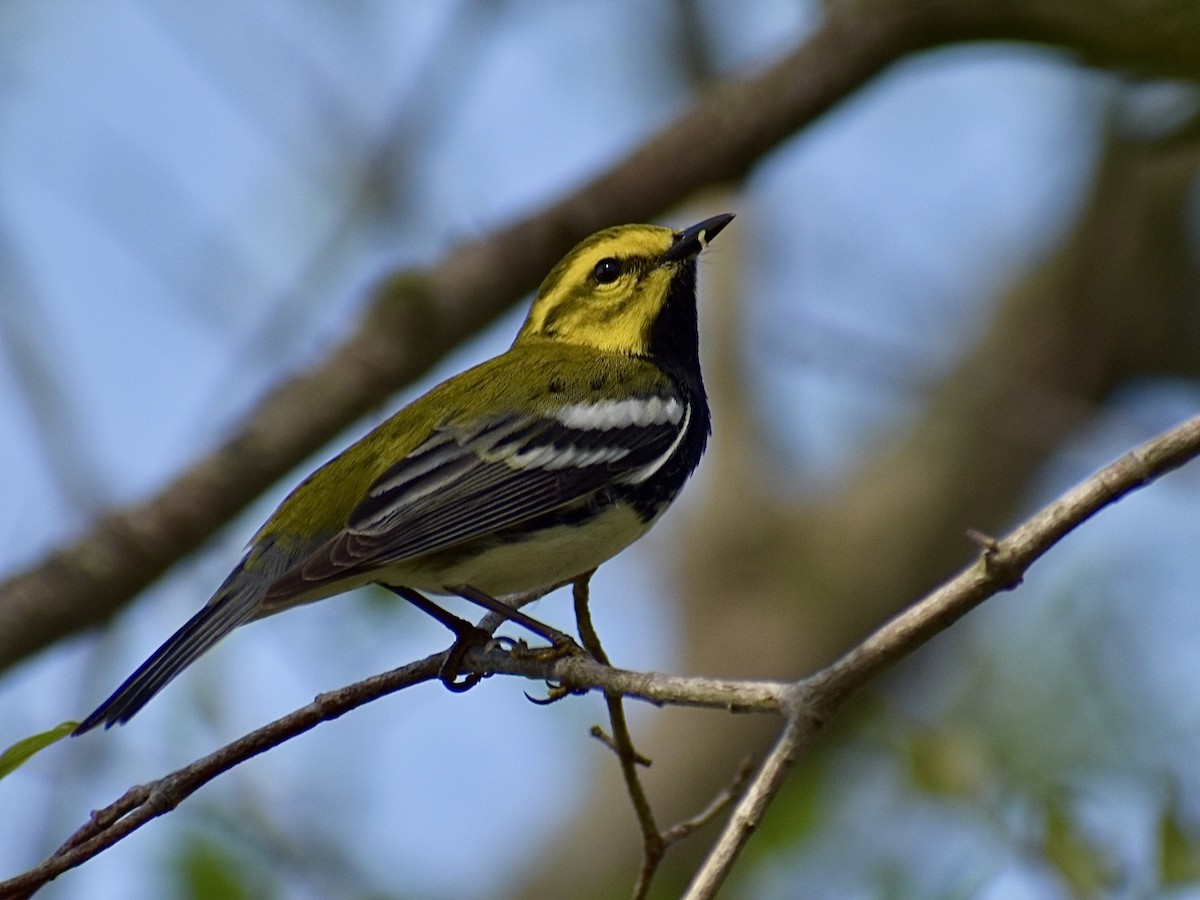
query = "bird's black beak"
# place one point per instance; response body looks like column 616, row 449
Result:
column 691, row 241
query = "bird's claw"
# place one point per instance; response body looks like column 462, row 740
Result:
column 560, row 649
column 554, row 693
column 466, row 640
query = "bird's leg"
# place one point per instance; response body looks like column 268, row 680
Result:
column 561, row 644
column 466, row 636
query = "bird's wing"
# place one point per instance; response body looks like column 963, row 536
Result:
column 464, row 483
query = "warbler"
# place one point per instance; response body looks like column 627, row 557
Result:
column 511, row 478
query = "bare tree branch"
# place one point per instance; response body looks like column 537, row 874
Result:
column 808, row 705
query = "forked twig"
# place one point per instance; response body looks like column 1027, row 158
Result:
column 654, row 841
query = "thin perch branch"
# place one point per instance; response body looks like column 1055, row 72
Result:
column 807, row 704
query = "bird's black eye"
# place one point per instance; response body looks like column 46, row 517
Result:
column 607, row 270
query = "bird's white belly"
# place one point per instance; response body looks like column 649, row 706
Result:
column 552, row 557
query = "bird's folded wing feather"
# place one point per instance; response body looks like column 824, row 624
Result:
column 464, row 483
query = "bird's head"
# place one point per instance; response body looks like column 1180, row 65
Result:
column 613, row 289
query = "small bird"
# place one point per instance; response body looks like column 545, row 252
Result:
column 509, row 479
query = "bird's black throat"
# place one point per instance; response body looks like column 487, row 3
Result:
column 674, row 347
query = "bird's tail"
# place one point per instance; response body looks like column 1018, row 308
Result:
column 228, row 609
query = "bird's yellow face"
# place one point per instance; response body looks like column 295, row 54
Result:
column 608, row 291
